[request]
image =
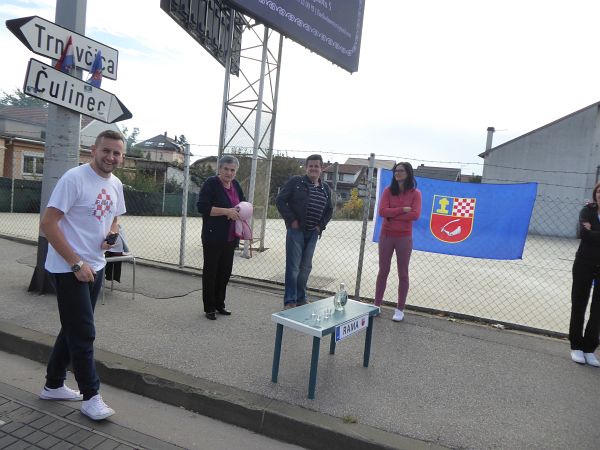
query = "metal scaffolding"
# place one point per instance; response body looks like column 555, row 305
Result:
column 249, row 113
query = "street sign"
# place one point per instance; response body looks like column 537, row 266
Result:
column 46, row 83
column 48, row 39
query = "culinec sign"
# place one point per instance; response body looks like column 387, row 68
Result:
column 51, row 85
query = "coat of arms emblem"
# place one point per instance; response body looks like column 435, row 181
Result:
column 452, row 218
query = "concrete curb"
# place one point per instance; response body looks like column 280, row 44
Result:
column 257, row 413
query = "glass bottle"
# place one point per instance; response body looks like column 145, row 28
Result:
column 341, row 298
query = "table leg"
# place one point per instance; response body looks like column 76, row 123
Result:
column 277, row 353
column 368, row 342
column 332, row 344
column 133, row 290
column 314, row 362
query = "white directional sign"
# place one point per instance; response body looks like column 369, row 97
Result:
column 48, row 39
column 51, row 85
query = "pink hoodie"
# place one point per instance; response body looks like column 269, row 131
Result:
column 395, row 221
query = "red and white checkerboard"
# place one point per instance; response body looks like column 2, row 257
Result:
column 463, row 207
column 103, row 204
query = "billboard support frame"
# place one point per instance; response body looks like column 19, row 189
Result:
column 250, row 101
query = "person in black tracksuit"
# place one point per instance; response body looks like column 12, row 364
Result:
column 586, row 271
column 217, row 200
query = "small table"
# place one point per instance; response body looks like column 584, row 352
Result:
column 353, row 318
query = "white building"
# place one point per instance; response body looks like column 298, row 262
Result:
column 563, row 157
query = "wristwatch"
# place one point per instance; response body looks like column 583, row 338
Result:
column 77, row 266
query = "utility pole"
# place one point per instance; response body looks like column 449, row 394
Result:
column 62, row 141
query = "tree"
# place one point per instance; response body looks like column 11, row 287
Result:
column 19, row 98
column 182, row 140
column 199, row 173
column 282, row 170
column 130, row 141
column 137, row 180
column 172, row 186
column 353, row 208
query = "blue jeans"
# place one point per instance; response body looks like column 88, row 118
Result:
column 299, row 249
column 75, row 342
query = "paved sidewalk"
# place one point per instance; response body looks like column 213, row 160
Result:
column 28, row 422
column 431, row 382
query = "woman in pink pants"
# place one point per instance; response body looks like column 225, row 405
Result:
column 400, row 206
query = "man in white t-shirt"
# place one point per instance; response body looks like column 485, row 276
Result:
column 81, row 216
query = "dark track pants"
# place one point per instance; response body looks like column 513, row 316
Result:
column 584, row 273
column 75, row 342
column 218, row 263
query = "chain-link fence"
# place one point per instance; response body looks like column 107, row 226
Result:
column 532, row 292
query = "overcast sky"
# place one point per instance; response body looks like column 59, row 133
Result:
column 433, row 75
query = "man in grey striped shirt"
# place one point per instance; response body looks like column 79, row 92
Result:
column 304, row 202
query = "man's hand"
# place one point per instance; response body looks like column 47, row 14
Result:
column 295, row 224
column 586, row 225
column 86, row 274
column 106, row 243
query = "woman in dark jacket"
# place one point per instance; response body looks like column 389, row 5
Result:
column 218, row 197
column 586, row 270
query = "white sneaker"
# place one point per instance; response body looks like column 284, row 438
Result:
column 61, row 393
column 591, row 359
column 578, row 357
column 96, row 409
column 398, row 315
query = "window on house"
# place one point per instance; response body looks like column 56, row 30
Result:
column 33, row 165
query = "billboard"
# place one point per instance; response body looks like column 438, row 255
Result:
column 207, row 22
column 330, row 28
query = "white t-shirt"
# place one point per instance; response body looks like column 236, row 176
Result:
column 89, row 203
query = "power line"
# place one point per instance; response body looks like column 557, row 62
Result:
column 382, row 156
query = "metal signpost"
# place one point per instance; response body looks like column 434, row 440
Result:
column 69, row 97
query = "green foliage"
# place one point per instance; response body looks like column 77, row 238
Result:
column 282, row 170
column 475, row 179
column 137, row 180
column 273, row 212
column 349, row 418
column 353, row 208
column 19, row 98
column 130, row 141
column 199, row 173
column 172, row 186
